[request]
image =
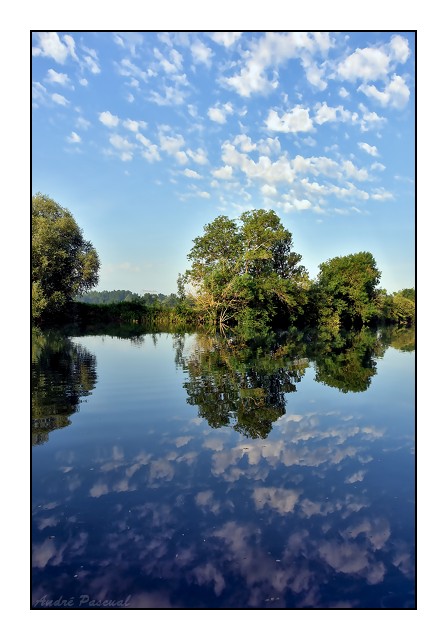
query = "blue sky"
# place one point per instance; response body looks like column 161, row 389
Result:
column 148, row 136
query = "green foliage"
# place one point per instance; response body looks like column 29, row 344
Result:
column 244, row 273
column 64, row 265
column 407, row 293
column 346, row 290
column 403, row 310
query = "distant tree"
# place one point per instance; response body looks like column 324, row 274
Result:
column 64, row 264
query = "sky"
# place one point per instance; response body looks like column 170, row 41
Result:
column 147, row 136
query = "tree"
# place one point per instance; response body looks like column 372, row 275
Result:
column 64, row 265
column 244, row 272
column 403, row 310
column 346, row 290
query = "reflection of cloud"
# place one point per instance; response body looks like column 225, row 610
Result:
column 42, row 553
column 215, row 444
column 207, row 573
column 51, row 553
column 205, row 499
column 352, row 558
column 189, row 457
column 281, row 500
column 404, row 561
column 161, row 469
column 356, row 477
column 99, row 489
column 43, row 523
column 180, row 442
column 377, row 531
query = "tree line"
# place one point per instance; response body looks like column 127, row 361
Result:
column 244, row 275
column 124, row 295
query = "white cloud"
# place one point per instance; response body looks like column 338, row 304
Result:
column 224, row 173
column 201, row 53
column 365, row 64
column 314, row 73
column 400, row 50
column 370, row 119
column 203, row 194
column 296, row 204
column 181, row 157
column 351, row 171
column 58, row 99
column 199, row 156
column 374, row 63
column 244, row 142
column 123, row 146
column 226, row 38
column 268, row 190
column 57, row 78
column 270, row 52
column 219, row 114
column 92, row 64
column 39, row 93
column 311, row 142
column 108, row 119
column 150, row 152
column 368, row 148
column 73, row 138
column 50, row 46
column 71, row 46
column 171, row 144
column 332, row 114
column 396, row 93
column 343, row 93
column 120, row 143
column 82, row 123
column 378, row 166
column 296, row 120
column 134, row 125
column 129, row 69
column 129, row 40
column 382, row 194
column 174, row 65
column 268, row 147
column 189, row 173
column 173, row 95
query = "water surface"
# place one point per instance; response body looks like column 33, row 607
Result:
column 185, row 471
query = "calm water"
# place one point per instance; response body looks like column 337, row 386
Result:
column 184, row 471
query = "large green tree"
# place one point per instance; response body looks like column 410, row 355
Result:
column 64, row 264
column 245, row 272
column 346, row 290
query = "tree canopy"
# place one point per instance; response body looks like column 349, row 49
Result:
column 245, row 272
column 346, row 290
column 64, row 264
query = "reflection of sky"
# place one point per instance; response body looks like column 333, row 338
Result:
column 142, row 498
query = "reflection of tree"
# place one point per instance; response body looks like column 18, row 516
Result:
column 234, row 385
column 62, row 373
column 349, row 363
column 400, row 338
